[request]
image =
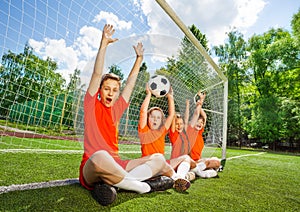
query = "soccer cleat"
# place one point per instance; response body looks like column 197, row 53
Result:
column 181, row 184
column 104, row 194
column 160, row 183
column 220, row 169
column 190, row 176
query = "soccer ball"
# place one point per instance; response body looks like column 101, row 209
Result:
column 159, row 85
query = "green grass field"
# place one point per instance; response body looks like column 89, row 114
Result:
column 254, row 182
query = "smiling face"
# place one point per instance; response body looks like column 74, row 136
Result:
column 200, row 123
column 179, row 124
column 109, row 91
column 155, row 119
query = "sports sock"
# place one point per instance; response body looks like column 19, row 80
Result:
column 183, row 169
column 208, row 173
column 201, row 166
column 128, row 183
column 141, row 172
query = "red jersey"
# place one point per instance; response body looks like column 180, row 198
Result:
column 100, row 128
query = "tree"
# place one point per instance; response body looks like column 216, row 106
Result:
column 232, row 58
column 25, row 77
column 274, row 61
column 182, row 69
column 117, row 71
column 72, row 92
column 296, row 26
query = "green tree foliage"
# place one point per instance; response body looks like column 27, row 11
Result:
column 296, row 26
column 181, row 68
column 263, row 75
column 232, row 57
column 25, row 76
column 117, row 71
column 274, row 62
column 72, row 94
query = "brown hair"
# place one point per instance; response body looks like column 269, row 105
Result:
column 178, row 116
column 110, row 76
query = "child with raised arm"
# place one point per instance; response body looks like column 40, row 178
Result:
column 152, row 129
column 206, row 168
column 180, row 143
column 101, row 167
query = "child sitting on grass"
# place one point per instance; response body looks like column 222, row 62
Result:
column 152, row 129
column 188, row 139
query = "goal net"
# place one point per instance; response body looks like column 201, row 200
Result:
column 48, row 49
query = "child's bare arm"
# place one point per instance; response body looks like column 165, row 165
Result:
column 144, row 108
column 197, row 111
column 106, row 39
column 186, row 114
column 171, row 109
column 139, row 50
column 202, row 112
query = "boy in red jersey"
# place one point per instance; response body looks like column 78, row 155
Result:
column 206, row 168
column 152, row 130
column 101, row 167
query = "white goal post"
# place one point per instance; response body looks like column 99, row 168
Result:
column 164, row 5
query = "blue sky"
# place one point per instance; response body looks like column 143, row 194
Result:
column 69, row 31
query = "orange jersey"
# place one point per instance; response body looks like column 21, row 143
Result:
column 180, row 144
column 196, row 142
column 152, row 141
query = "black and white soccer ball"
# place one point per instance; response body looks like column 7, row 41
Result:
column 159, row 85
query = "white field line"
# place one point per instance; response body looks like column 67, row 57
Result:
column 40, row 151
column 6, row 189
column 240, row 156
column 57, row 151
column 21, row 187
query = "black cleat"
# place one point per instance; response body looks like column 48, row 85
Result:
column 104, row 194
column 160, row 183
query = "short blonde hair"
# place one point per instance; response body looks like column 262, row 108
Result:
column 110, row 76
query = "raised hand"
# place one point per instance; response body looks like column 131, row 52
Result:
column 139, row 49
column 108, row 31
column 201, row 98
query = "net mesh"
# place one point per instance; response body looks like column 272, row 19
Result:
column 47, row 51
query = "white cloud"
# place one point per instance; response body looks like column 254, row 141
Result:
column 213, row 17
column 82, row 51
column 57, row 50
column 112, row 19
column 87, row 43
column 248, row 13
column 70, row 57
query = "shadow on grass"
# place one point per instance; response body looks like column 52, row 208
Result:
column 65, row 198
column 125, row 196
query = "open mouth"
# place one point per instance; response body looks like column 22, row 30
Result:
column 108, row 100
